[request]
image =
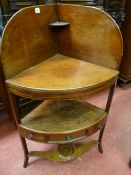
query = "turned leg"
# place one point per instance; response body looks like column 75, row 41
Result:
column 16, row 115
column 100, row 140
column 25, row 150
column 110, row 96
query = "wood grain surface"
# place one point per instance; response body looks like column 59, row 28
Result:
column 62, row 121
column 92, row 36
column 62, row 117
column 59, row 74
column 58, row 63
column 27, row 39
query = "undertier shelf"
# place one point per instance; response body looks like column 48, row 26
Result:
column 62, row 121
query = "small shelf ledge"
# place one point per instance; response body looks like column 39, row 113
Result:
column 59, row 24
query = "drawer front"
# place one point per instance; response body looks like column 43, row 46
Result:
column 60, row 138
column 31, row 135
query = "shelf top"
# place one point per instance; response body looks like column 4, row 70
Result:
column 62, row 74
column 57, row 117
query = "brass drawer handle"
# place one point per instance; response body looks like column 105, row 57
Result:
column 69, row 140
column 30, row 137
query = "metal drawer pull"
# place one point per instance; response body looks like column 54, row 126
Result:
column 69, row 140
column 30, row 137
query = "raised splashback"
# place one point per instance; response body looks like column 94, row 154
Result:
column 27, row 39
column 91, row 35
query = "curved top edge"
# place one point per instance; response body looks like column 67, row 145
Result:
column 62, row 4
column 35, row 6
column 60, row 91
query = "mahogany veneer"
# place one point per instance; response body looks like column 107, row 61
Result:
column 61, row 64
column 61, row 75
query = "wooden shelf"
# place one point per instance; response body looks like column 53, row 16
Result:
column 69, row 75
column 66, row 120
column 59, row 24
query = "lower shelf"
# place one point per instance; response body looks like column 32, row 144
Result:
column 60, row 122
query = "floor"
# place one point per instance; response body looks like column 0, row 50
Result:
column 116, row 145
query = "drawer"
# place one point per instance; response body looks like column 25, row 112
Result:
column 54, row 138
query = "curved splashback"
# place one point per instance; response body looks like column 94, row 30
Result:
column 92, row 35
column 27, row 39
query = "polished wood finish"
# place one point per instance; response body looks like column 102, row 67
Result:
column 42, row 39
column 67, row 152
column 94, row 28
column 66, row 119
column 61, row 64
column 68, row 74
column 66, row 95
column 31, row 40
